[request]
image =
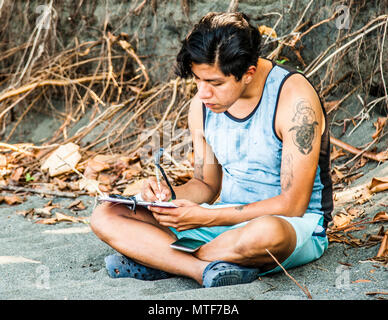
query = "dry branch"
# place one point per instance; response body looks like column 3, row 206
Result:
column 347, row 147
column 49, row 82
column 304, row 289
column 363, row 33
column 106, row 80
column 41, row 191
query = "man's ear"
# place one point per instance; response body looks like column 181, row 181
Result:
column 249, row 74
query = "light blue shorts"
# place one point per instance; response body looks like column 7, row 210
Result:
column 310, row 244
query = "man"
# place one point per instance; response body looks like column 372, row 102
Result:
column 261, row 144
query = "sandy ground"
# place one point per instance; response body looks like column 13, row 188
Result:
column 66, row 261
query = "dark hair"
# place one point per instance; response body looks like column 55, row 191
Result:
column 227, row 40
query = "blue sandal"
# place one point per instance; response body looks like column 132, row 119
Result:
column 120, row 266
column 221, row 273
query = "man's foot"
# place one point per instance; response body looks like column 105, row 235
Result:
column 119, row 266
column 221, row 273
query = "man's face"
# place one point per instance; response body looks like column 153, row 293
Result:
column 217, row 91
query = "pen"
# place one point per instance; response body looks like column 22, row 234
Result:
column 157, row 161
column 157, row 180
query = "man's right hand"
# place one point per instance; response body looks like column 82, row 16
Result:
column 150, row 190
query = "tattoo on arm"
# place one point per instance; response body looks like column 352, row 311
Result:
column 198, row 168
column 303, row 132
column 240, row 208
column 286, row 174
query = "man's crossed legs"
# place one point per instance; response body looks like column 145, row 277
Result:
column 141, row 238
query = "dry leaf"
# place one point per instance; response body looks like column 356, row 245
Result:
column 60, row 217
column 3, row 160
column 47, row 221
column 25, row 213
column 382, row 156
column 380, row 216
column 383, row 251
column 362, row 162
column 77, row 205
column 330, row 105
column 63, row 217
column 54, row 163
column 109, row 159
column 378, row 184
column 363, row 196
column 46, row 211
column 105, row 178
column 351, row 179
column 11, row 200
column 94, row 167
column 17, row 174
column 264, row 30
column 342, row 219
column 133, row 188
column 379, row 124
column 84, row 53
column 134, row 170
column 74, row 204
column 339, row 174
column 105, row 188
column 73, row 185
column 351, row 194
column 90, row 185
column 90, row 174
column 122, row 163
column 60, row 184
column 336, row 153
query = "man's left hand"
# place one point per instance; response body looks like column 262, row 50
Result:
column 188, row 215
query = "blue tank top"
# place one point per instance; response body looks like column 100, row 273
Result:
column 250, row 152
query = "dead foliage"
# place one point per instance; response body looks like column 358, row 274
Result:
column 342, row 228
column 111, row 109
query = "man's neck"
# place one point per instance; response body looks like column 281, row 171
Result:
column 253, row 92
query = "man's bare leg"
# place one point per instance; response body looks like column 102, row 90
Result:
column 247, row 245
column 140, row 237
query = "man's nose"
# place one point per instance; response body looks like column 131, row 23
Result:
column 204, row 90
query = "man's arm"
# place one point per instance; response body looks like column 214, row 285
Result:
column 299, row 124
column 206, row 183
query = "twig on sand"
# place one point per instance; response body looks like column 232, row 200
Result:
column 304, row 289
column 375, row 292
column 40, row 191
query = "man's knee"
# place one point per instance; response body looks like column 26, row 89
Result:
column 99, row 220
column 267, row 232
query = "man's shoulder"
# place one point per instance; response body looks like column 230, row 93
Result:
column 297, row 87
column 196, row 104
column 195, row 117
column 297, row 82
column 297, row 97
